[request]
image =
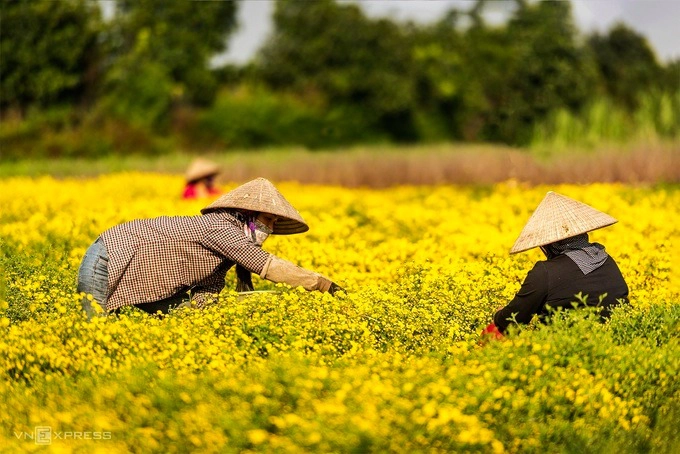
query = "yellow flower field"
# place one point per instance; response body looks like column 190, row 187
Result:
column 395, row 364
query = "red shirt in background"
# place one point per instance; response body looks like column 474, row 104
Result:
column 192, row 191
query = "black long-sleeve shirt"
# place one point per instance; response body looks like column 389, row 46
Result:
column 553, row 284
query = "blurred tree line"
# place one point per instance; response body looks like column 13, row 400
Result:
column 72, row 83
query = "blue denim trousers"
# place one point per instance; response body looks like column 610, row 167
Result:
column 93, row 278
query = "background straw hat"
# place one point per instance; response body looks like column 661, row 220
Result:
column 260, row 195
column 201, row 168
column 558, row 217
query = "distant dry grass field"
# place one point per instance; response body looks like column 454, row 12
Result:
column 466, row 165
column 385, row 166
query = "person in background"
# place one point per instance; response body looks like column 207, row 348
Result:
column 170, row 261
column 200, row 179
column 574, row 265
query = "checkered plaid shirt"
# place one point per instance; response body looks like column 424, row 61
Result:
column 153, row 259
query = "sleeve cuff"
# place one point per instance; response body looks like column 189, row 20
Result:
column 265, row 268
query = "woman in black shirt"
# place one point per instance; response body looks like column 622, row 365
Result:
column 559, row 227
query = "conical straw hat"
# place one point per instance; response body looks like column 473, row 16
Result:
column 201, row 168
column 558, row 217
column 260, row 195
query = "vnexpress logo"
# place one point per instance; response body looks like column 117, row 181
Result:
column 43, row 435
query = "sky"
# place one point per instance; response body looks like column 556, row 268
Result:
column 657, row 20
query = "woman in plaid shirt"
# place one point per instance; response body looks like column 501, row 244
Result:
column 161, row 263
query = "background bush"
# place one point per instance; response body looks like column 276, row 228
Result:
column 532, row 80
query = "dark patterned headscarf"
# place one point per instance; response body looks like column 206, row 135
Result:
column 244, row 280
column 587, row 256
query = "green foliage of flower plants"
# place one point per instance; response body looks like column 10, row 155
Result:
column 395, row 364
